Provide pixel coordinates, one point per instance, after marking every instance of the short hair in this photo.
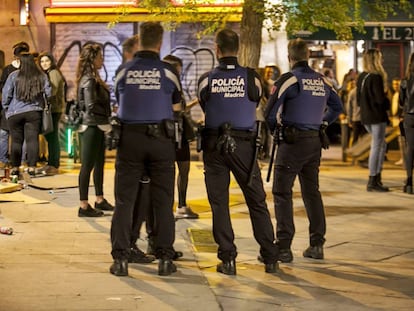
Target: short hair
(298, 50)
(227, 41)
(173, 60)
(150, 34)
(128, 44)
(20, 47)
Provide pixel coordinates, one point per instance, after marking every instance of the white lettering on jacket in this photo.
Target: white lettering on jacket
(229, 87)
(145, 79)
(316, 86)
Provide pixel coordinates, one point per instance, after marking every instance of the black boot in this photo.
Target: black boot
(379, 182)
(166, 267)
(227, 267)
(119, 267)
(408, 187)
(374, 186)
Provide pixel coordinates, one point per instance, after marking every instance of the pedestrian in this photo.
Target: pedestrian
(18, 48)
(406, 102)
(58, 104)
(23, 101)
(182, 151)
(94, 101)
(141, 209)
(302, 104)
(354, 113)
(149, 90)
(229, 95)
(372, 98)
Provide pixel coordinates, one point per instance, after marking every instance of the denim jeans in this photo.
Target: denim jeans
(378, 147)
(4, 146)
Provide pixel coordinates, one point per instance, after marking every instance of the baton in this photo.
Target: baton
(272, 157)
(256, 152)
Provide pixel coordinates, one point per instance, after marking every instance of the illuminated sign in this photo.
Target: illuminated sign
(211, 2)
(112, 3)
(90, 3)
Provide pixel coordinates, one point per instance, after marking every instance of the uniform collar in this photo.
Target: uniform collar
(147, 54)
(302, 63)
(229, 62)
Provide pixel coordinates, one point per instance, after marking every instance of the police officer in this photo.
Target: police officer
(302, 103)
(149, 90)
(229, 95)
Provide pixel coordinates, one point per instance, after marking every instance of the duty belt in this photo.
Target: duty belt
(307, 133)
(245, 134)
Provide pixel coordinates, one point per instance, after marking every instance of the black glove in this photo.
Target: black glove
(112, 137)
(323, 136)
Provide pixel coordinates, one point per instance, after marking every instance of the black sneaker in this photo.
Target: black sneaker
(138, 256)
(104, 206)
(89, 212)
(285, 255)
(315, 252)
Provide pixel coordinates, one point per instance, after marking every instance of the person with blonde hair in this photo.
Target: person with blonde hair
(406, 102)
(372, 98)
(94, 101)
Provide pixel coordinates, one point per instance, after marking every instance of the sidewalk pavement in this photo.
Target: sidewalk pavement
(58, 261)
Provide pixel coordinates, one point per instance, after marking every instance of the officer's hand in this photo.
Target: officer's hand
(112, 137)
(323, 136)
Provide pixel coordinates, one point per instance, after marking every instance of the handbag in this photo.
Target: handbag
(47, 121)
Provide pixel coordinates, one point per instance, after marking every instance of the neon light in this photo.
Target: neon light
(208, 3)
(69, 144)
(91, 3)
(113, 3)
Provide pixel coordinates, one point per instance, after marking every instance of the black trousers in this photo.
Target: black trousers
(25, 127)
(53, 144)
(217, 169)
(409, 138)
(93, 158)
(302, 159)
(139, 155)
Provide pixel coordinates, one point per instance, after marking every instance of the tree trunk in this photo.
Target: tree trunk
(251, 33)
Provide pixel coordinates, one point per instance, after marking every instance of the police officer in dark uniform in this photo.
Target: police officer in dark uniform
(302, 103)
(229, 95)
(149, 91)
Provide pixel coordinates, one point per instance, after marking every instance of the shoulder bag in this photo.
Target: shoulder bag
(47, 121)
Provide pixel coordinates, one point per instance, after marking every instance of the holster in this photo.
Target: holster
(225, 143)
(289, 134)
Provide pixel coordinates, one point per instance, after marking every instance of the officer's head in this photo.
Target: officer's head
(298, 51)
(227, 42)
(129, 47)
(150, 36)
(175, 61)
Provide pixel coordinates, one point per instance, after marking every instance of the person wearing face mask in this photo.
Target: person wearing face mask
(18, 48)
(57, 101)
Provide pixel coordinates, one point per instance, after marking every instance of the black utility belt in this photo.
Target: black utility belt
(165, 128)
(290, 134)
(245, 134)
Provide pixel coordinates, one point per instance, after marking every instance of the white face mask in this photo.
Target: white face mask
(45, 63)
(16, 63)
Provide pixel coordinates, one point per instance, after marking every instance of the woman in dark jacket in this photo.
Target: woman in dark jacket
(406, 102)
(58, 102)
(22, 100)
(94, 100)
(374, 103)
